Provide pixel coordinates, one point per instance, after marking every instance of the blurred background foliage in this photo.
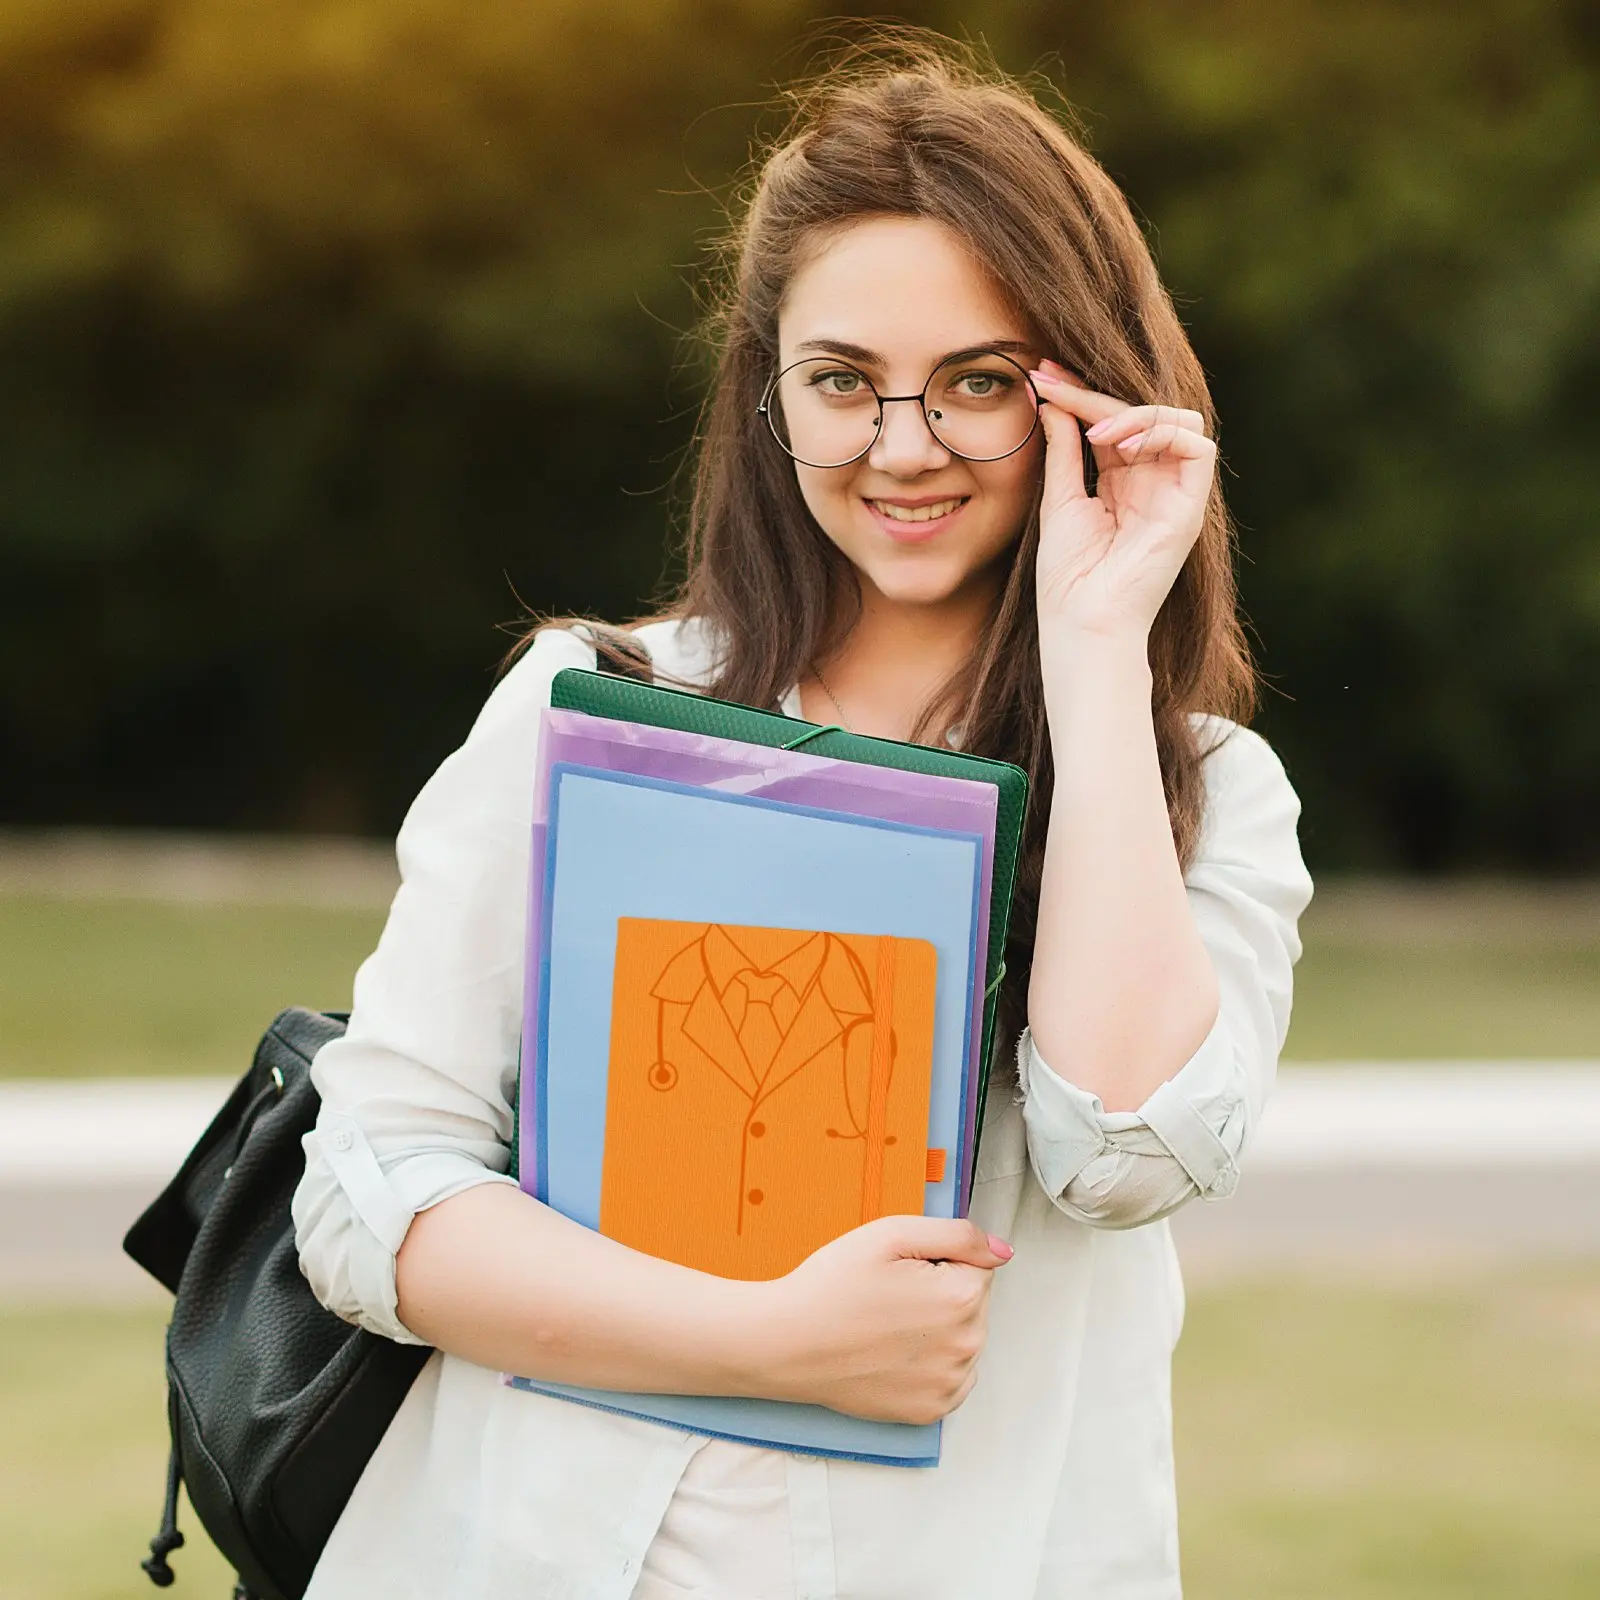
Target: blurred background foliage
(333, 331)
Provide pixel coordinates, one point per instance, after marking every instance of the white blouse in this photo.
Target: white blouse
(1056, 1477)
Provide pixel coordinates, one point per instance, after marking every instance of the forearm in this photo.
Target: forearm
(497, 1278)
(1122, 992)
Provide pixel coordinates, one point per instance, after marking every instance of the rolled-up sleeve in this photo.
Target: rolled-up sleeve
(1247, 887)
(417, 1094)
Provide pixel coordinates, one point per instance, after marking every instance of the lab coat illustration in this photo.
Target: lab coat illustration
(768, 1090)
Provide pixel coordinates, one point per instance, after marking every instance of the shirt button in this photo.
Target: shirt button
(342, 1140)
(756, 1197)
(757, 1129)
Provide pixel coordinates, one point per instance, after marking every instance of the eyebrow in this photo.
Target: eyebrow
(871, 358)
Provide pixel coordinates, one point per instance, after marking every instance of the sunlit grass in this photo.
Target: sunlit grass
(108, 987)
(1339, 1441)
(1336, 1441)
(96, 988)
(83, 1459)
(1392, 1002)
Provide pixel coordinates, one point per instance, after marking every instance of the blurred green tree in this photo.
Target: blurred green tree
(326, 325)
(1384, 219)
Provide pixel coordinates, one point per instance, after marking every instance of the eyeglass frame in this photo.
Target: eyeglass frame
(764, 409)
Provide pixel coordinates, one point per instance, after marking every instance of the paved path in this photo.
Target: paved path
(1380, 1163)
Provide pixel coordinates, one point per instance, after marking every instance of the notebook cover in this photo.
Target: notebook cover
(626, 699)
(767, 1090)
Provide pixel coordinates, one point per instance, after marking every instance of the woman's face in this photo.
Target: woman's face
(894, 296)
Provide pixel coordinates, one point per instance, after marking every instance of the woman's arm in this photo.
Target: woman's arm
(1246, 888)
(886, 1322)
(496, 1277)
(1122, 988)
(1157, 1005)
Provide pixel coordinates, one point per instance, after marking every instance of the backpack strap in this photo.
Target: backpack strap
(618, 652)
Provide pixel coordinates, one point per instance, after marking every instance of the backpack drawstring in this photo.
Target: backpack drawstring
(168, 1539)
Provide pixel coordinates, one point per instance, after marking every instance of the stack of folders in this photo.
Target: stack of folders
(763, 960)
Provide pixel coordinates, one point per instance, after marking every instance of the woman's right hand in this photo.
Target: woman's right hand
(887, 1321)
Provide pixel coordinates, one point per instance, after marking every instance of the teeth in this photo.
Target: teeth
(917, 513)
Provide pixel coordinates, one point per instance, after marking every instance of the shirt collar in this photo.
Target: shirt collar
(725, 961)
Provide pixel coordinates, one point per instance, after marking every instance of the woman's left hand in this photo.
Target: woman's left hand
(1106, 561)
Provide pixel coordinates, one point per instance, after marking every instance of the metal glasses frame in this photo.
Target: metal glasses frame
(928, 417)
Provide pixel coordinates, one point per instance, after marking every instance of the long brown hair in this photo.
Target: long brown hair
(909, 124)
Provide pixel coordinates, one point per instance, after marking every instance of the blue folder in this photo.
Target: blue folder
(623, 846)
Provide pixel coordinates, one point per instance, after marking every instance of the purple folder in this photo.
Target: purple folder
(732, 766)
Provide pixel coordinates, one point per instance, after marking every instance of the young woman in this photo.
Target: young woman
(938, 309)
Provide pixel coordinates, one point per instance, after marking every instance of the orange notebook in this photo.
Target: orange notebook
(767, 1090)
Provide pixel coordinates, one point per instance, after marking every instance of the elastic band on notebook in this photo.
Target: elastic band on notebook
(999, 978)
(812, 733)
(879, 1067)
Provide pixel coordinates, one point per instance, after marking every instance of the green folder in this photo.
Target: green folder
(601, 694)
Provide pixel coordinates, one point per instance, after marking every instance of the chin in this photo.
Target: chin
(906, 584)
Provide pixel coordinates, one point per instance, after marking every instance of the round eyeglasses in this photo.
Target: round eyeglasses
(979, 405)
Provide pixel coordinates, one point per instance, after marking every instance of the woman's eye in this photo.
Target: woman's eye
(838, 382)
(982, 385)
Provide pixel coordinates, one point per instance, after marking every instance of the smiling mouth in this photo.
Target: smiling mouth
(928, 513)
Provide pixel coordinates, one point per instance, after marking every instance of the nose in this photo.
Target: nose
(905, 445)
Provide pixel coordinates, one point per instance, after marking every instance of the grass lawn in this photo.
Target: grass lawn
(99, 988)
(83, 1460)
(1372, 1443)
(114, 987)
(1341, 1442)
(1357, 1001)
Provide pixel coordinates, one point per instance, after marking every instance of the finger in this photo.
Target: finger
(1140, 419)
(1107, 417)
(1082, 403)
(1063, 456)
(1168, 440)
(942, 1239)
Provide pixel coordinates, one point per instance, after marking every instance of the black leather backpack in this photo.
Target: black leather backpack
(274, 1403)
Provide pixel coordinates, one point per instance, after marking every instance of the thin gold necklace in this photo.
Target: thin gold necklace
(952, 735)
(844, 721)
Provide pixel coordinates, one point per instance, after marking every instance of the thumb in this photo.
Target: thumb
(1063, 456)
(943, 1239)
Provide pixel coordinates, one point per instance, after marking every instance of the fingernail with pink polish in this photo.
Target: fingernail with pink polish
(1001, 1248)
(1100, 429)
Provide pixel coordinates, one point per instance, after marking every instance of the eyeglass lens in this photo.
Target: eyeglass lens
(825, 413)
